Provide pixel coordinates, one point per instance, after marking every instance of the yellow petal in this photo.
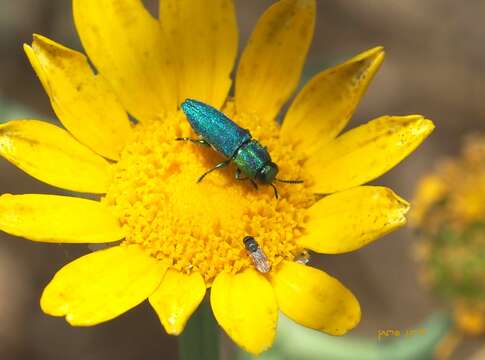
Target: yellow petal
(102, 285)
(203, 41)
(324, 106)
(271, 65)
(366, 152)
(51, 155)
(245, 306)
(314, 299)
(84, 103)
(60, 219)
(177, 298)
(127, 46)
(350, 219)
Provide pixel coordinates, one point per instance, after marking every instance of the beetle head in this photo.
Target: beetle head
(267, 173)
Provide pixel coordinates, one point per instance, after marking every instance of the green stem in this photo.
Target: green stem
(200, 338)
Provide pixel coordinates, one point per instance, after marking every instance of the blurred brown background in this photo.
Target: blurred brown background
(435, 66)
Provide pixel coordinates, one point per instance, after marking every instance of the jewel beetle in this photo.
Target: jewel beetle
(235, 143)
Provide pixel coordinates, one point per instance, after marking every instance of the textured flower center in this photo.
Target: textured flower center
(200, 226)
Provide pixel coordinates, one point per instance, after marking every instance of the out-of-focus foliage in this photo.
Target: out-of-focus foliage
(449, 214)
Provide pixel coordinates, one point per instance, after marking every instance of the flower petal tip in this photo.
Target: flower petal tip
(353, 321)
(258, 351)
(173, 325)
(420, 125)
(374, 52)
(402, 204)
(173, 331)
(48, 307)
(371, 60)
(38, 37)
(72, 320)
(427, 125)
(372, 57)
(5, 195)
(42, 41)
(398, 208)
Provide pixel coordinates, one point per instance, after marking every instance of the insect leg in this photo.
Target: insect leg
(195, 141)
(218, 166)
(237, 176)
(275, 190)
(254, 184)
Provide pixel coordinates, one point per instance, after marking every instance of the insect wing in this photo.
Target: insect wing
(215, 127)
(303, 257)
(260, 261)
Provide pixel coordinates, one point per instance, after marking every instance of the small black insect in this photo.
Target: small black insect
(257, 255)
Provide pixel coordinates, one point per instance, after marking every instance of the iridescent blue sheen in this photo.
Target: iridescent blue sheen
(215, 127)
(224, 135)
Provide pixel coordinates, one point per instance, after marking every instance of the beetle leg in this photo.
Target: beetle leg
(254, 184)
(218, 166)
(195, 141)
(237, 176)
(275, 190)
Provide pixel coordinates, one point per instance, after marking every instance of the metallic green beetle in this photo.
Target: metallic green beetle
(225, 136)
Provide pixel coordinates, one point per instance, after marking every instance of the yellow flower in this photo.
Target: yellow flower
(454, 194)
(449, 211)
(180, 237)
(470, 318)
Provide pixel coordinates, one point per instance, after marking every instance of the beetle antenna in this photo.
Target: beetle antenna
(290, 181)
(275, 190)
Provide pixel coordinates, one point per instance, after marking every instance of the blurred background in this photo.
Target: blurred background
(435, 66)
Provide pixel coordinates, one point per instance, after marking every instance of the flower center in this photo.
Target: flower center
(200, 226)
